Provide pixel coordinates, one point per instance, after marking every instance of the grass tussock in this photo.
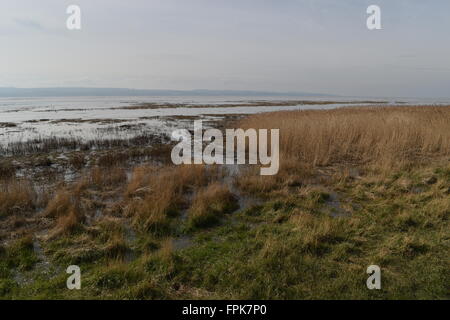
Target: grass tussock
(60, 204)
(77, 160)
(7, 170)
(113, 158)
(65, 208)
(116, 247)
(70, 222)
(314, 232)
(16, 196)
(18, 256)
(210, 204)
(71, 205)
(292, 173)
(110, 177)
(186, 176)
(157, 194)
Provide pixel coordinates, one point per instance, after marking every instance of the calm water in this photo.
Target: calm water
(36, 117)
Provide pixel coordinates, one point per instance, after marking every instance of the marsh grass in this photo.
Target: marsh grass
(7, 170)
(157, 195)
(69, 222)
(111, 177)
(20, 254)
(16, 196)
(72, 204)
(384, 137)
(210, 204)
(60, 204)
(387, 167)
(60, 144)
(77, 160)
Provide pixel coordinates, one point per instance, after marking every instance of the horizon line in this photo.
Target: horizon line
(12, 91)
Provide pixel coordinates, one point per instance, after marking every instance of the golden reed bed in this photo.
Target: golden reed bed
(384, 137)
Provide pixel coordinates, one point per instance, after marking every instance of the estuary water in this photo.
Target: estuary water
(24, 119)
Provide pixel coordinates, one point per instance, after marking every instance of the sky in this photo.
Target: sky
(320, 46)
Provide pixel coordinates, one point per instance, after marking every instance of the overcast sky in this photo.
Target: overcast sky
(277, 45)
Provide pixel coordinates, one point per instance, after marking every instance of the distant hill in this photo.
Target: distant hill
(101, 92)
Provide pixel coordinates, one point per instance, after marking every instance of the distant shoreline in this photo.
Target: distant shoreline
(6, 92)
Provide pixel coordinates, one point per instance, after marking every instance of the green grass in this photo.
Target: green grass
(287, 248)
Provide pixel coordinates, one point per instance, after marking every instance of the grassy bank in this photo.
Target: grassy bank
(356, 187)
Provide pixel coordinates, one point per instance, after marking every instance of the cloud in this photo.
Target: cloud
(303, 45)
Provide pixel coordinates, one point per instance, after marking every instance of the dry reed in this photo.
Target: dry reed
(384, 137)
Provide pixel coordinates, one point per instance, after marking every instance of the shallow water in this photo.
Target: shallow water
(40, 118)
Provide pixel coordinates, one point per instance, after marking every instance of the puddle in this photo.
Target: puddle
(130, 239)
(244, 201)
(335, 206)
(70, 176)
(182, 242)
(43, 265)
(130, 234)
(92, 218)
